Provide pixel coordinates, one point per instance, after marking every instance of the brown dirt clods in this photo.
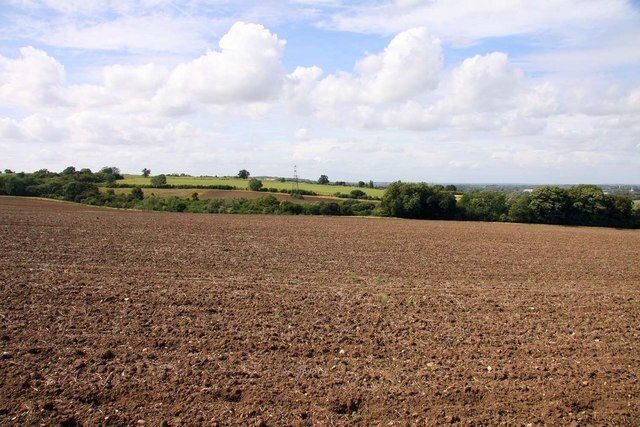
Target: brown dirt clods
(114, 317)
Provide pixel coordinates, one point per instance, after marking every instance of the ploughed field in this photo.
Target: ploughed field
(114, 317)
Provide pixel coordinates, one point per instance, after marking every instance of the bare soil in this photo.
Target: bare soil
(112, 317)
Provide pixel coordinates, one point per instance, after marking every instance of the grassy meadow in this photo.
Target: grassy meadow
(243, 184)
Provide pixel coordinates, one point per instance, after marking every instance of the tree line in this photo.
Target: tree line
(82, 186)
(578, 205)
(70, 184)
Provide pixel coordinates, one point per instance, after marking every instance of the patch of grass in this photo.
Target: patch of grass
(327, 190)
(186, 180)
(410, 301)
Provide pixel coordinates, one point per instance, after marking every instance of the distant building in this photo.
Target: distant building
(528, 190)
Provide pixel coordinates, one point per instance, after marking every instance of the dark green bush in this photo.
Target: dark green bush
(77, 191)
(419, 201)
(484, 206)
(136, 193)
(255, 184)
(159, 181)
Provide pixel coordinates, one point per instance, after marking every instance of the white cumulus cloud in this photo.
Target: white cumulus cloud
(247, 68)
(408, 67)
(135, 80)
(34, 79)
(485, 82)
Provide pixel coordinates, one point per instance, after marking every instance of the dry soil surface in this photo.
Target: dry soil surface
(112, 317)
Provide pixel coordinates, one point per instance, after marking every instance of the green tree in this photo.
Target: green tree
(15, 186)
(549, 205)
(324, 179)
(76, 191)
(136, 193)
(109, 174)
(146, 172)
(371, 184)
(619, 209)
(174, 204)
(518, 207)
(484, 206)
(159, 180)
(243, 174)
(588, 204)
(361, 184)
(357, 194)
(42, 173)
(69, 170)
(255, 184)
(110, 170)
(410, 200)
(331, 208)
(635, 216)
(266, 204)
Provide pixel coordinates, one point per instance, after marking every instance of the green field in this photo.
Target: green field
(243, 183)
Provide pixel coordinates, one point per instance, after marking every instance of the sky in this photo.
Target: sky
(460, 91)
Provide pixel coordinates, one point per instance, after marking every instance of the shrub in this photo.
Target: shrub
(75, 191)
(358, 194)
(287, 207)
(255, 184)
(136, 193)
(159, 180)
(174, 204)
